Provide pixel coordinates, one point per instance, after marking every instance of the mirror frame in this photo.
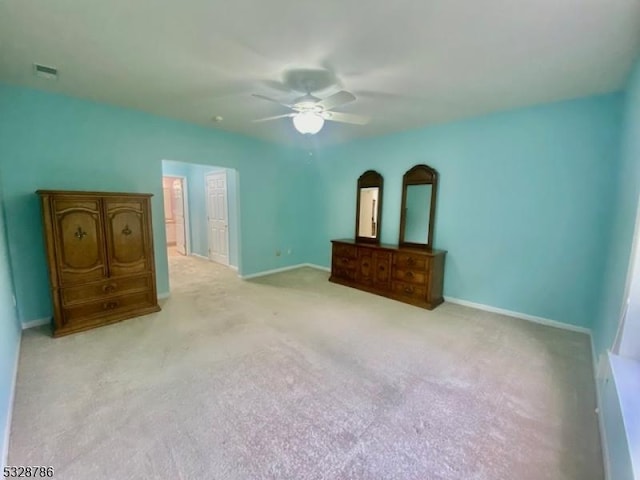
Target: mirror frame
(419, 175)
(368, 179)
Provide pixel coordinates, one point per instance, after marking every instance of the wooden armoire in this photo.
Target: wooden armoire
(101, 262)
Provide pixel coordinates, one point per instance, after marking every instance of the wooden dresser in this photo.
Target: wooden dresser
(408, 275)
(100, 252)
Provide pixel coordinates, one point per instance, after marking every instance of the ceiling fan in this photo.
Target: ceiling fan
(309, 112)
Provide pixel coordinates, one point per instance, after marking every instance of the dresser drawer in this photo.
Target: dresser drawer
(409, 290)
(343, 273)
(345, 262)
(412, 276)
(381, 256)
(341, 250)
(96, 291)
(78, 314)
(411, 261)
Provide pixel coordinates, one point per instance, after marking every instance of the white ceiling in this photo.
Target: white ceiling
(409, 62)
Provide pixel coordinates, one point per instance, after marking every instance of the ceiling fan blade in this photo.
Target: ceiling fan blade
(346, 118)
(275, 85)
(269, 99)
(336, 100)
(266, 119)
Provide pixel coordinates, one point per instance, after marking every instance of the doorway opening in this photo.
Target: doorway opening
(201, 214)
(175, 214)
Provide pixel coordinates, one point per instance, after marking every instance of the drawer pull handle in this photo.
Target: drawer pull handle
(80, 234)
(345, 260)
(381, 268)
(109, 288)
(408, 289)
(409, 274)
(365, 264)
(410, 261)
(109, 305)
(126, 230)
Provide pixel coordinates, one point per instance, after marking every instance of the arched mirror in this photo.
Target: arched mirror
(369, 207)
(419, 190)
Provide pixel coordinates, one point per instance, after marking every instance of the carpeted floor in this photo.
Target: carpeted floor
(291, 377)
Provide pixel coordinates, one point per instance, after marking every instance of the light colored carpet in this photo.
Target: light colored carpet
(291, 377)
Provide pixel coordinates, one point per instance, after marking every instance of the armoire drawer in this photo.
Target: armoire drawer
(412, 276)
(410, 290)
(405, 260)
(96, 291)
(87, 311)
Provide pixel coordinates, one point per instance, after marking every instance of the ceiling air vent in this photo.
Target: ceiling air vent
(42, 71)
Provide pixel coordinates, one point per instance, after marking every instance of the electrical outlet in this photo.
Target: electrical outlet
(278, 253)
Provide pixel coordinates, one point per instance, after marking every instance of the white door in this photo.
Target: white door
(170, 226)
(217, 217)
(178, 215)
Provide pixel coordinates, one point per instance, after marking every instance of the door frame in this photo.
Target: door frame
(186, 209)
(206, 196)
(629, 328)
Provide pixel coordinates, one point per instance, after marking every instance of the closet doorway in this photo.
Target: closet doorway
(176, 214)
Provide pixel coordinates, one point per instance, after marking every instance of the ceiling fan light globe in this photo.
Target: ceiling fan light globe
(308, 122)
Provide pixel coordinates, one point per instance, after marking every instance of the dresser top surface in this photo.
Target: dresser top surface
(386, 246)
(101, 194)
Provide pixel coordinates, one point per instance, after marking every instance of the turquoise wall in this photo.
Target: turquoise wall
(523, 203)
(57, 142)
(9, 332)
(195, 175)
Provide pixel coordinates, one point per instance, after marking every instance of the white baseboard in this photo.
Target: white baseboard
(284, 269)
(271, 272)
(12, 396)
(197, 255)
(522, 316)
(36, 323)
(317, 267)
(164, 295)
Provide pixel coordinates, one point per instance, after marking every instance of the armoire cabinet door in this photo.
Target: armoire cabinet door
(127, 236)
(80, 249)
